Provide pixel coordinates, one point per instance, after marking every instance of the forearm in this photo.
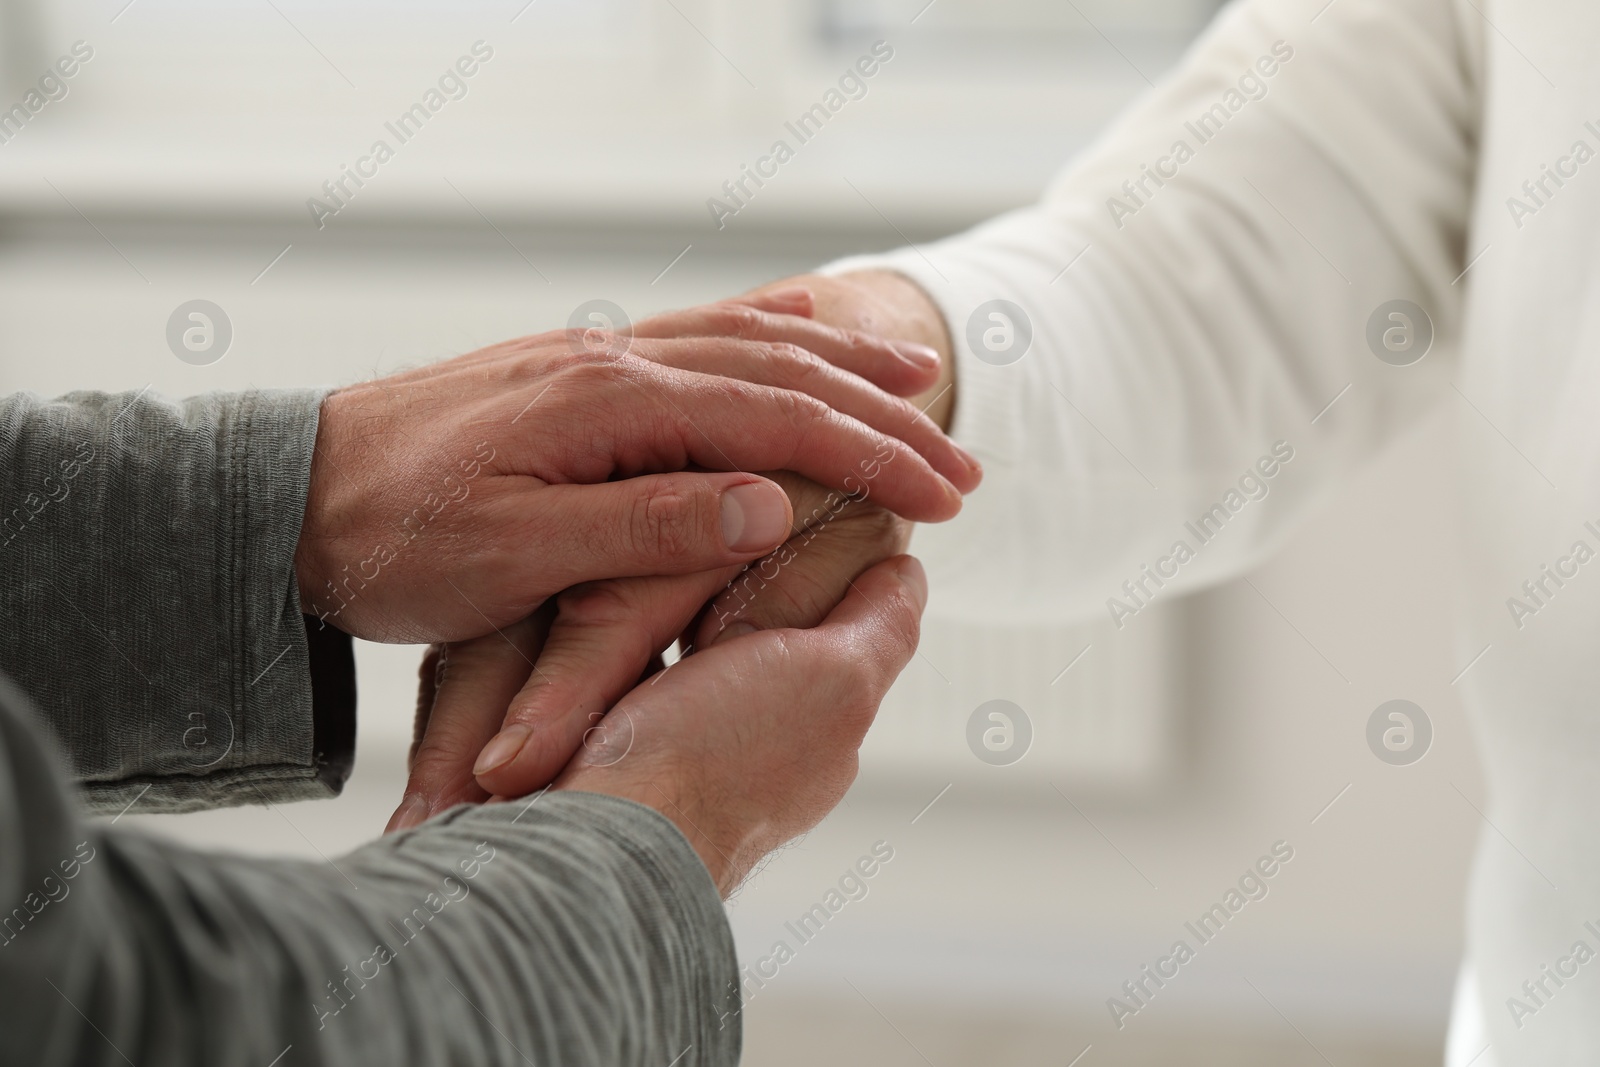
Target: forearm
(134, 526)
(580, 930)
(1182, 328)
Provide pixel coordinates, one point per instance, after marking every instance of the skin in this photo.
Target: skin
(538, 464)
(599, 640)
(743, 746)
(886, 305)
(551, 689)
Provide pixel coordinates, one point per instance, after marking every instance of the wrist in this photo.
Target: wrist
(726, 856)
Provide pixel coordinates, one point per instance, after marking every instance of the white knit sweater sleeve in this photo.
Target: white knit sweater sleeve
(1199, 286)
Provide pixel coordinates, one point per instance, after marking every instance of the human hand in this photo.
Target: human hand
(505, 456)
(604, 635)
(750, 743)
(607, 632)
(886, 305)
(455, 683)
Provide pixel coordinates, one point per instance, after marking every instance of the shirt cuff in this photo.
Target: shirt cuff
(170, 655)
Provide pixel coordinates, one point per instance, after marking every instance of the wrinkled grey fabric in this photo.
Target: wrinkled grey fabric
(147, 591)
(148, 608)
(579, 930)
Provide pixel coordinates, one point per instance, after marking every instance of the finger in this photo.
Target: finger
(788, 300)
(677, 523)
(723, 423)
(799, 584)
(903, 368)
(847, 662)
(427, 686)
(788, 366)
(602, 642)
(604, 638)
(875, 628)
(475, 680)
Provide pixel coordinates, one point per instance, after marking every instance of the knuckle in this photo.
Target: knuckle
(903, 626)
(804, 412)
(861, 343)
(579, 380)
(737, 320)
(590, 365)
(801, 367)
(528, 366)
(538, 709)
(788, 351)
(666, 522)
(433, 766)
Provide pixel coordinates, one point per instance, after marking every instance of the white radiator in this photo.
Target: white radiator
(1100, 703)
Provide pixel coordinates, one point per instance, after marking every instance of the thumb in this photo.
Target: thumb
(877, 625)
(655, 524)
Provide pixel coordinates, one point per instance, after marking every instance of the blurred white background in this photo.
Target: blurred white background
(577, 165)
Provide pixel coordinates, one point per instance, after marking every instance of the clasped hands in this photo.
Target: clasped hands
(553, 512)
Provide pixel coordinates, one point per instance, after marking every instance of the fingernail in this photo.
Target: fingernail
(921, 355)
(755, 516)
(501, 749)
(969, 459)
(790, 294)
(916, 579)
(412, 810)
(734, 629)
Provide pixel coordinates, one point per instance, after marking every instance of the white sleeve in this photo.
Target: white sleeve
(1199, 286)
